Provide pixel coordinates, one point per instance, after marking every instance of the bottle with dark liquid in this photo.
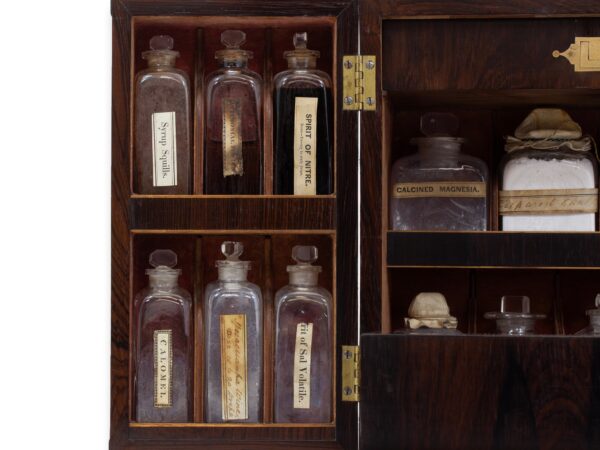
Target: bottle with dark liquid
(162, 123)
(232, 144)
(303, 361)
(303, 114)
(163, 345)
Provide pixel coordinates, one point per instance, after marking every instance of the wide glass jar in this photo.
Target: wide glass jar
(439, 187)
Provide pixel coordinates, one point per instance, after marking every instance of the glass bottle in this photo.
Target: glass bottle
(303, 348)
(593, 329)
(303, 116)
(439, 187)
(233, 158)
(514, 318)
(163, 345)
(233, 356)
(162, 123)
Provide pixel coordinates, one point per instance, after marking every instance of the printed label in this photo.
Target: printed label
(163, 368)
(302, 355)
(233, 161)
(305, 146)
(164, 149)
(475, 189)
(548, 201)
(234, 376)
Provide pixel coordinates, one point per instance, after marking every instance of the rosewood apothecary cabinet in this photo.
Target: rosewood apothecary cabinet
(390, 61)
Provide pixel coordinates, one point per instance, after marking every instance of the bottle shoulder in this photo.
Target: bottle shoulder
(293, 78)
(223, 76)
(427, 163)
(171, 75)
(150, 295)
(219, 287)
(291, 293)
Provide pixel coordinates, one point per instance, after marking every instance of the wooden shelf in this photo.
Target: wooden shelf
(493, 249)
(232, 213)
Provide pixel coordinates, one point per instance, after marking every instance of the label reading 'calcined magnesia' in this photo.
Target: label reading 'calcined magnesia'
(305, 146)
(164, 149)
(234, 367)
(233, 161)
(473, 189)
(163, 368)
(302, 357)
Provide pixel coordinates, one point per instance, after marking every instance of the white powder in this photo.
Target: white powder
(529, 173)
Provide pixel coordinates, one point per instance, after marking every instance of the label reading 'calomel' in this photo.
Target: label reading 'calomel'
(305, 146)
(163, 368)
(302, 359)
(164, 149)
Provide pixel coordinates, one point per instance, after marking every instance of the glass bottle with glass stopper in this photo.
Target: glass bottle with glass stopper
(163, 345)
(303, 114)
(303, 344)
(232, 145)
(593, 329)
(233, 342)
(162, 123)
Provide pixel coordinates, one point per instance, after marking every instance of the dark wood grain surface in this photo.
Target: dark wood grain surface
(479, 392)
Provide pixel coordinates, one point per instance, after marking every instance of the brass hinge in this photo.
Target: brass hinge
(584, 54)
(359, 82)
(350, 373)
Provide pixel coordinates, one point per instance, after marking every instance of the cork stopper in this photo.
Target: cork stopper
(233, 55)
(301, 57)
(161, 52)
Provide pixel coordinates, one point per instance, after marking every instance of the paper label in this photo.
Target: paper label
(163, 368)
(473, 189)
(234, 368)
(164, 149)
(548, 201)
(302, 356)
(305, 146)
(233, 161)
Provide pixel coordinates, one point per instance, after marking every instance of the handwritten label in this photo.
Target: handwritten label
(234, 368)
(305, 146)
(302, 356)
(548, 201)
(163, 368)
(233, 161)
(474, 189)
(164, 149)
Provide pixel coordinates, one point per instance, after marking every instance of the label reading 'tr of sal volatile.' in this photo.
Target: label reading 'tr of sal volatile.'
(305, 146)
(302, 362)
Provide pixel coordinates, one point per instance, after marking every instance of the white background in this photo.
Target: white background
(55, 224)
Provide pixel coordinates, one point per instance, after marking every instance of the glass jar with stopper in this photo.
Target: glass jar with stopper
(163, 352)
(303, 343)
(593, 329)
(233, 159)
(233, 342)
(514, 317)
(162, 123)
(303, 117)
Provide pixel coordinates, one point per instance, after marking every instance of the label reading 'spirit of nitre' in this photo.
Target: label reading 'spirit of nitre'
(305, 146)
(474, 189)
(234, 367)
(302, 359)
(548, 201)
(233, 161)
(163, 368)
(164, 149)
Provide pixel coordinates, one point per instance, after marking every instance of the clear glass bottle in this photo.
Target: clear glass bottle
(514, 317)
(162, 123)
(233, 157)
(163, 351)
(233, 356)
(303, 344)
(303, 117)
(439, 187)
(593, 329)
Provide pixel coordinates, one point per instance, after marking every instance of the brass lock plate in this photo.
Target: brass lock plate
(584, 54)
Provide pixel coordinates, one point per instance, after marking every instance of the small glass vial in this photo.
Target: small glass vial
(233, 159)
(233, 356)
(514, 318)
(439, 187)
(303, 115)
(593, 329)
(303, 346)
(163, 345)
(162, 123)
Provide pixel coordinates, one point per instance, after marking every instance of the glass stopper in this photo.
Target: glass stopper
(515, 303)
(300, 40)
(161, 42)
(439, 124)
(305, 254)
(232, 250)
(166, 258)
(233, 38)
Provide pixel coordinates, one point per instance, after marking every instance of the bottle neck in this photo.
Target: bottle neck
(439, 147)
(163, 281)
(595, 322)
(232, 274)
(234, 63)
(161, 61)
(302, 63)
(305, 279)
